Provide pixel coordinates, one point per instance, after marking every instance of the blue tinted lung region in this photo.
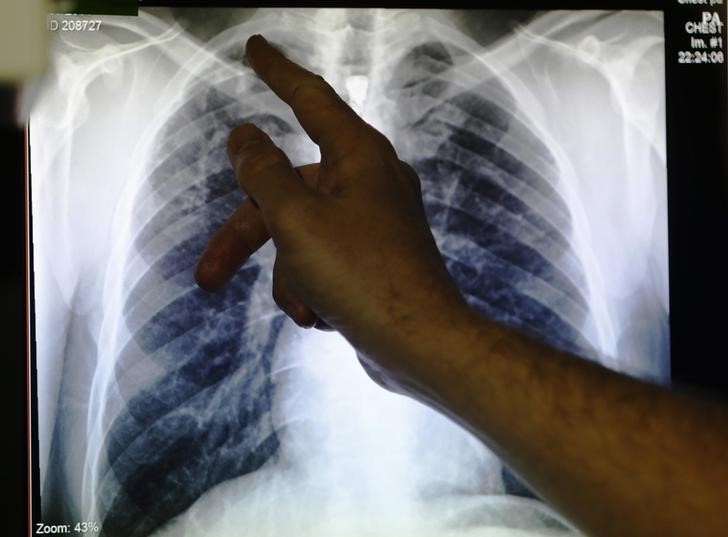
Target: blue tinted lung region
(511, 259)
(202, 414)
(491, 191)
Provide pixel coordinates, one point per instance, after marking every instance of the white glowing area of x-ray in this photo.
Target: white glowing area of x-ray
(127, 139)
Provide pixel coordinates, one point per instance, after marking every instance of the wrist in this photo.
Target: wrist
(429, 346)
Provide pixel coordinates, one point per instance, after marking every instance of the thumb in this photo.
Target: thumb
(263, 170)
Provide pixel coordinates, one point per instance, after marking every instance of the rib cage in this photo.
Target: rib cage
(491, 195)
(206, 417)
(109, 233)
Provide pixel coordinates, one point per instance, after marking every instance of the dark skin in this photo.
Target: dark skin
(355, 254)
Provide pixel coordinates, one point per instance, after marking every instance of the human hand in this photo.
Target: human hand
(354, 250)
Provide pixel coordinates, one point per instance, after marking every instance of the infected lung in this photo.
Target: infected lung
(491, 190)
(205, 417)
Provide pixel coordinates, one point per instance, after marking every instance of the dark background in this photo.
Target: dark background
(697, 113)
(698, 210)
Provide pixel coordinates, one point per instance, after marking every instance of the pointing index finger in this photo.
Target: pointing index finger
(327, 119)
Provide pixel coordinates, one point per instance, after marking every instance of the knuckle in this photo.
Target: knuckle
(311, 86)
(315, 92)
(261, 158)
(286, 217)
(409, 170)
(381, 142)
(318, 79)
(292, 221)
(411, 174)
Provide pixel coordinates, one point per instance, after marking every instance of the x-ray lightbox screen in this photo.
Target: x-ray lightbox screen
(163, 410)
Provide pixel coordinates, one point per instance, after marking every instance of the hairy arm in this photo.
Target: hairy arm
(616, 456)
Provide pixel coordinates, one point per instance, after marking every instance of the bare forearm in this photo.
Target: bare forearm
(617, 456)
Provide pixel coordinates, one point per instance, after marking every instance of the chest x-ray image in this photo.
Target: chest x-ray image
(164, 410)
